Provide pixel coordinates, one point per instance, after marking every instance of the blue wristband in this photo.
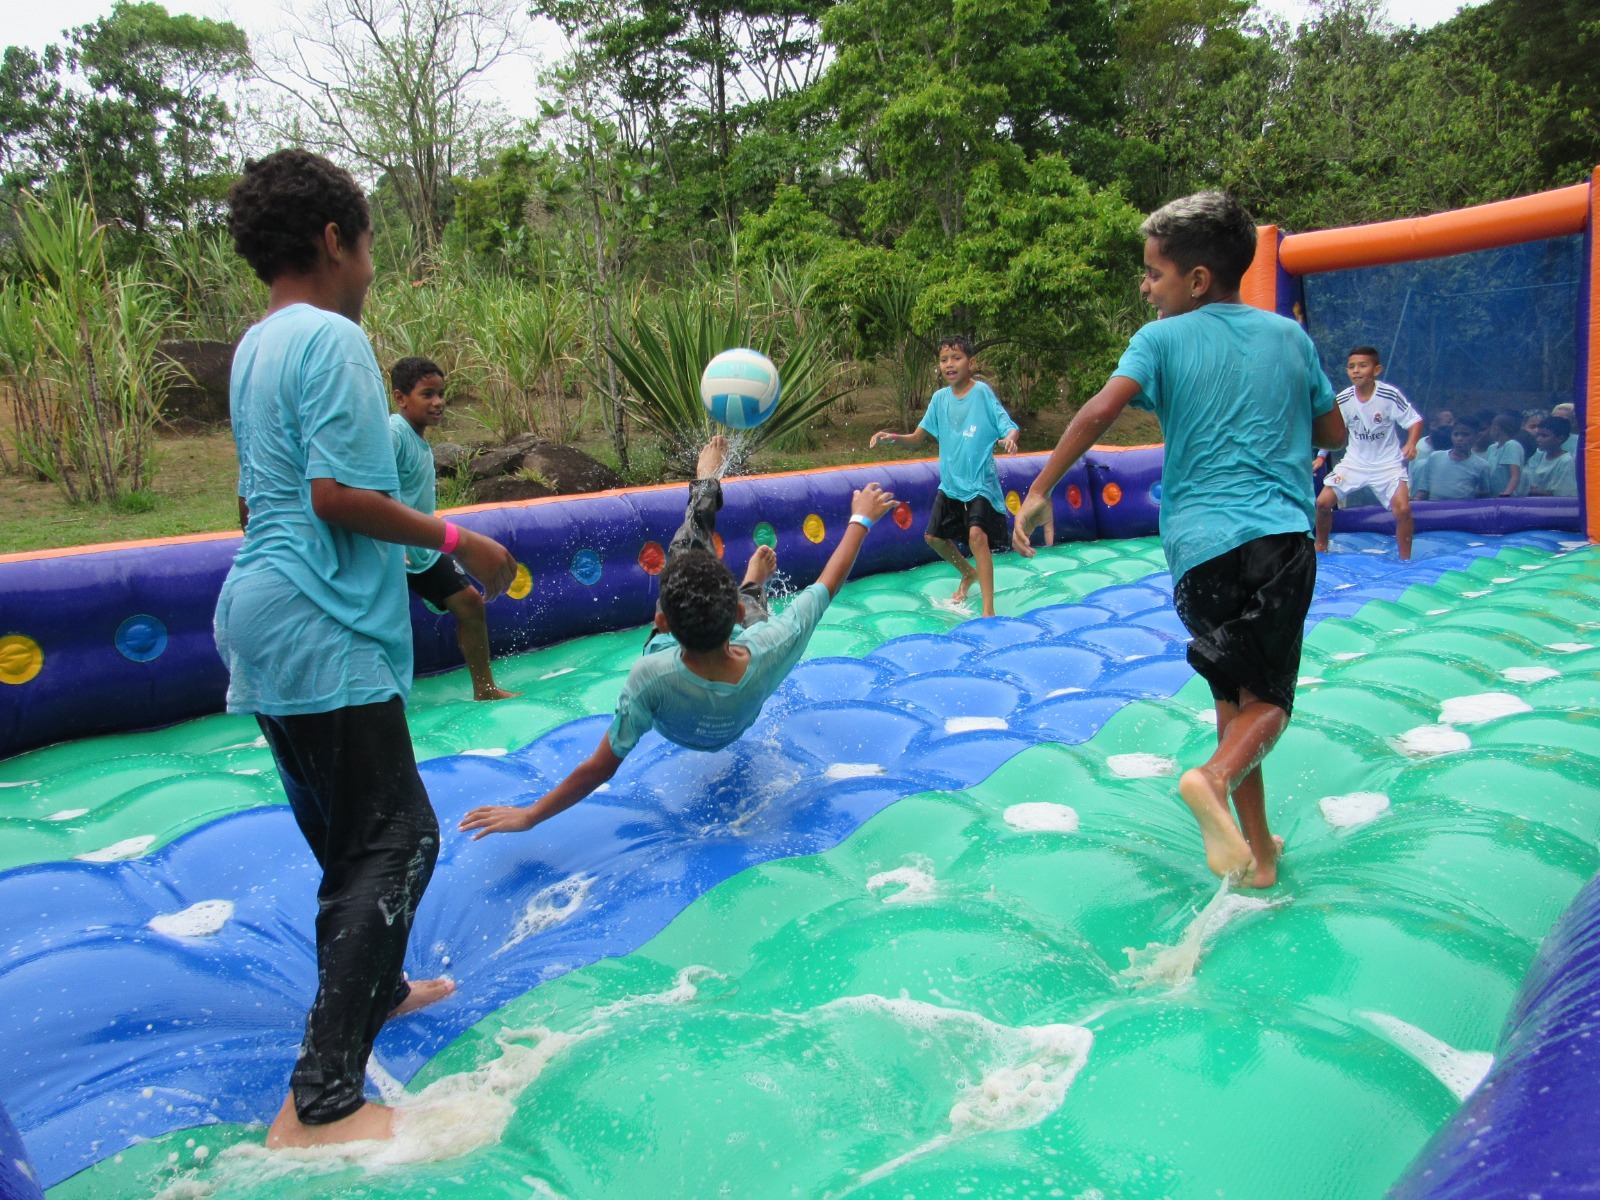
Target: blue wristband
(858, 519)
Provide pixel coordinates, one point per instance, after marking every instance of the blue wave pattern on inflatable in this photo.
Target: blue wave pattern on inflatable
(120, 1032)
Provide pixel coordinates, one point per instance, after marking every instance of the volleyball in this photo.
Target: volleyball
(740, 388)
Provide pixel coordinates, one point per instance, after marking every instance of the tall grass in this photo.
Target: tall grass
(78, 354)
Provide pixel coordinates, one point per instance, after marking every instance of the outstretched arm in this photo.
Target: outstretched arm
(598, 768)
(915, 438)
(1093, 419)
(1328, 432)
(871, 502)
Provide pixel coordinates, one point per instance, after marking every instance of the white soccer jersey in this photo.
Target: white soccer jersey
(1376, 442)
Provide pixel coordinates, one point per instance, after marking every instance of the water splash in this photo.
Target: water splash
(1459, 1070)
(1175, 965)
(1040, 816)
(549, 907)
(1353, 810)
(916, 880)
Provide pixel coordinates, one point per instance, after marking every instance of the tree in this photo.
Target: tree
(396, 86)
(131, 108)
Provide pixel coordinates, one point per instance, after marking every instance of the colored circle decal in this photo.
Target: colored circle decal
(716, 543)
(20, 659)
(141, 638)
(1074, 495)
(902, 515)
(521, 584)
(1155, 491)
(652, 558)
(765, 535)
(814, 529)
(586, 567)
(1112, 495)
(1013, 503)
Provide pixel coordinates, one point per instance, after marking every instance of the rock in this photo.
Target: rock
(198, 394)
(448, 457)
(500, 460)
(508, 487)
(569, 471)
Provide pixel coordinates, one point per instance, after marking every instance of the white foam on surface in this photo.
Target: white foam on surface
(557, 673)
(1142, 766)
(1486, 706)
(1042, 817)
(1348, 655)
(550, 906)
(969, 724)
(198, 920)
(487, 752)
(1427, 740)
(1070, 691)
(1475, 595)
(5, 783)
(67, 814)
(961, 608)
(1436, 612)
(1354, 809)
(119, 851)
(853, 770)
(1459, 1070)
(1175, 965)
(1570, 647)
(915, 880)
(1531, 567)
(1022, 1072)
(1504, 579)
(1572, 545)
(1529, 674)
(1308, 680)
(1374, 550)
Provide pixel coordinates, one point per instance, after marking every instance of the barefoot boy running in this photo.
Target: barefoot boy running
(1241, 399)
(703, 678)
(312, 620)
(966, 419)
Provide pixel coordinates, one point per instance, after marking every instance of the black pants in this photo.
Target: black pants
(699, 524)
(352, 781)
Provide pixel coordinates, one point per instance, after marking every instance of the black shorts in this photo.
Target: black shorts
(1247, 611)
(439, 582)
(953, 521)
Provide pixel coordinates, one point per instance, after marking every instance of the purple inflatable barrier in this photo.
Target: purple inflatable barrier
(1513, 515)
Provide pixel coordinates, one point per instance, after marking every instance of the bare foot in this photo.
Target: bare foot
(1264, 876)
(423, 993)
(495, 693)
(369, 1123)
(960, 594)
(762, 564)
(1227, 853)
(712, 455)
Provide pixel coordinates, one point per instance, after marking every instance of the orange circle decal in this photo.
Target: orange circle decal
(1112, 494)
(652, 558)
(1075, 495)
(902, 515)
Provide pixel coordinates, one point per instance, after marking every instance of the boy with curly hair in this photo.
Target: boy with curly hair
(312, 621)
(715, 655)
(1242, 399)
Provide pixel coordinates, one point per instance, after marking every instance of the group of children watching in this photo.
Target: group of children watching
(337, 499)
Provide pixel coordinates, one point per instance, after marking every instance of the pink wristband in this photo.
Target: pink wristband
(452, 538)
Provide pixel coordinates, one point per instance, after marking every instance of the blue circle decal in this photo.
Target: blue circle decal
(141, 638)
(586, 567)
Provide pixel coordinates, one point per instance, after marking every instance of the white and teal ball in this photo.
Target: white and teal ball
(740, 388)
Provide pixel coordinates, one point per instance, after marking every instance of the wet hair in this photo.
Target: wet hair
(958, 341)
(409, 372)
(699, 599)
(280, 204)
(1207, 229)
(1367, 352)
(1468, 421)
(1559, 426)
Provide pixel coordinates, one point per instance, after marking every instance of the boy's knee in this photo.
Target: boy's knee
(1327, 500)
(977, 539)
(931, 540)
(467, 604)
(1401, 505)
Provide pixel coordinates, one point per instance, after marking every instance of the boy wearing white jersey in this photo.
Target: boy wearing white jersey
(1374, 413)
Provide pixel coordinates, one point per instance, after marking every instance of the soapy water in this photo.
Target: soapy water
(1173, 966)
(1459, 1070)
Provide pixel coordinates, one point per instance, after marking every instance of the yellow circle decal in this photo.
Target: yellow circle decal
(814, 529)
(20, 659)
(1013, 503)
(521, 585)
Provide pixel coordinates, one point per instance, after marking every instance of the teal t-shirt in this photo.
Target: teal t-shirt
(1449, 478)
(419, 483)
(1553, 476)
(967, 427)
(663, 694)
(311, 617)
(1500, 460)
(1235, 389)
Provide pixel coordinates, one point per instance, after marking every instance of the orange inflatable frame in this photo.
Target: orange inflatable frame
(1559, 213)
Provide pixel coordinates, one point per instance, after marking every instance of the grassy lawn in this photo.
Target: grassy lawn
(197, 473)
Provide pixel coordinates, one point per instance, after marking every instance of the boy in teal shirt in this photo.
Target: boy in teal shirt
(312, 620)
(966, 419)
(716, 654)
(1242, 400)
(418, 386)
(1552, 471)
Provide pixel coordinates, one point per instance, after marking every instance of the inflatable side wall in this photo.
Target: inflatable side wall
(18, 1180)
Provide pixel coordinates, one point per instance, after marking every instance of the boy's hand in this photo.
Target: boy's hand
(883, 435)
(487, 561)
(1009, 442)
(1029, 517)
(872, 502)
(497, 818)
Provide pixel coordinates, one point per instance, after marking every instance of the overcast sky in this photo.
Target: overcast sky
(35, 27)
